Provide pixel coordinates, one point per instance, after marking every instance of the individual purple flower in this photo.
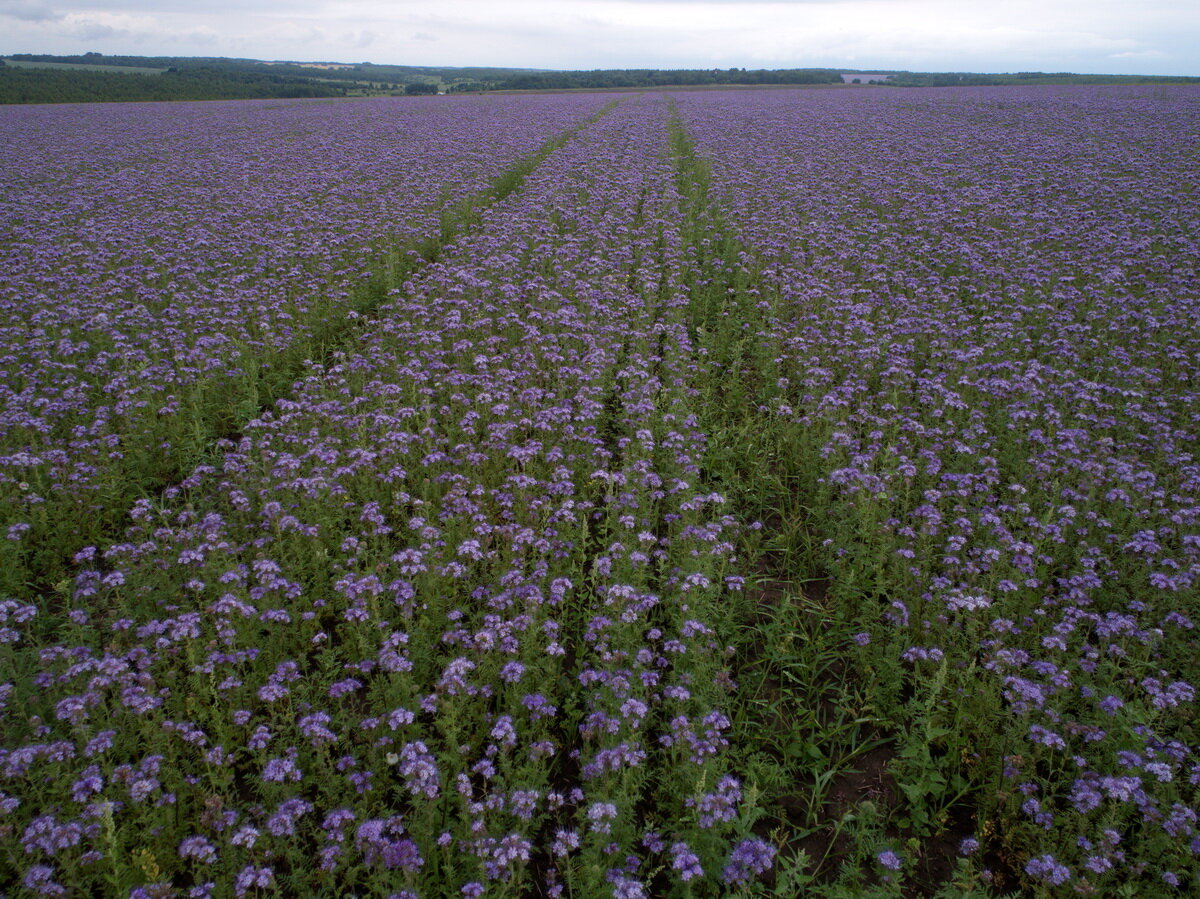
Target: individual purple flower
(601, 815)
(686, 862)
(330, 856)
(1048, 869)
(48, 835)
(260, 738)
(361, 781)
(252, 878)
(419, 769)
(625, 887)
(512, 672)
(401, 854)
(512, 848)
(889, 859)
(336, 822)
(564, 843)
(749, 857)
(89, 783)
(523, 803)
(504, 731)
(344, 687)
(721, 804)
(281, 770)
(283, 822)
(382, 842)
(40, 879)
(315, 730)
(1086, 795)
(198, 848)
(245, 836)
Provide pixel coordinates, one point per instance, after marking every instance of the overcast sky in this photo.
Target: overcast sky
(1102, 36)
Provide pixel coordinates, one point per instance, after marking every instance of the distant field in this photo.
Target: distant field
(81, 67)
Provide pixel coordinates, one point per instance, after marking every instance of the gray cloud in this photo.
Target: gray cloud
(28, 11)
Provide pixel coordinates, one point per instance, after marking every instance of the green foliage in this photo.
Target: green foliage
(60, 79)
(603, 79)
(95, 77)
(63, 85)
(959, 79)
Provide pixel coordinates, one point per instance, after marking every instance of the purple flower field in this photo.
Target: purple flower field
(161, 263)
(391, 490)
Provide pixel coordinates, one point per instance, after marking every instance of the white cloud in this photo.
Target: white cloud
(1083, 35)
(1139, 54)
(103, 25)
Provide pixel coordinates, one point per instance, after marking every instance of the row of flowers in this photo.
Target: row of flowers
(975, 316)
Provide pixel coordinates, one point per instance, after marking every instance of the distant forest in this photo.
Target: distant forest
(41, 85)
(614, 78)
(950, 79)
(94, 77)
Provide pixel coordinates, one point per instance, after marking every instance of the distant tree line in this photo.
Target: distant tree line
(29, 85)
(611, 78)
(195, 78)
(354, 75)
(952, 79)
